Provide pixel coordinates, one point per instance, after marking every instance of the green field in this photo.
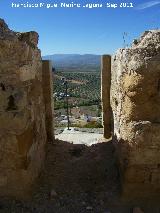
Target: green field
(83, 88)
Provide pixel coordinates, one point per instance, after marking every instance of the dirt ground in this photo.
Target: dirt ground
(77, 179)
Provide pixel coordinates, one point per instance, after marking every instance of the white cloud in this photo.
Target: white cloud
(147, 5)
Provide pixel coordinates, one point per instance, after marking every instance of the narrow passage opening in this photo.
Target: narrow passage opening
(77, 98)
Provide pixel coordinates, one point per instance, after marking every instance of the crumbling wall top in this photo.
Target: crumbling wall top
(150, 39)
(5, 32)
(140, 53)
(31, 38)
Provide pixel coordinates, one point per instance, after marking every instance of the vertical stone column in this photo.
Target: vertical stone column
(105, 94)
(48, 94)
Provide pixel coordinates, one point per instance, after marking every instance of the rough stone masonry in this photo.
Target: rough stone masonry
(22, 111)
(135, 99)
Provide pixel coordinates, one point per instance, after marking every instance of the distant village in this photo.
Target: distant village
(79, 116)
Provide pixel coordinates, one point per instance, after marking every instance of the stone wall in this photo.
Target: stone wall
(105, 95)
(135, 99)
(47, 79)
(26, 112)
(22, 111)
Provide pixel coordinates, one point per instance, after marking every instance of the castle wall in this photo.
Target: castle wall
(135, 100)
(105, 94)
(131, 85)
(47, 85)
(22, 112)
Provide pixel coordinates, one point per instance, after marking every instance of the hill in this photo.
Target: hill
(75, 62)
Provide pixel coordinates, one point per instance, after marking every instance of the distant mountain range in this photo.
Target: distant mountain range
(75, 62)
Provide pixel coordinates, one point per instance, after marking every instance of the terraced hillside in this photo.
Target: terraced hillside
(83, 88)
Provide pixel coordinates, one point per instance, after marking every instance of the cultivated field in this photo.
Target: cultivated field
(83, 88)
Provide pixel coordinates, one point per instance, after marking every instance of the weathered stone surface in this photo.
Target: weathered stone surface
(105, 93)
(22, 111)
(137, 210)
(48, 98)
(135, 97)
(31, 38)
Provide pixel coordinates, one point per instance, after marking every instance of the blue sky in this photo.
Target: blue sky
(82, 30)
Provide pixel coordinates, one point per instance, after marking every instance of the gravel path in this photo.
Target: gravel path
(80, 136)
(59, 130)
